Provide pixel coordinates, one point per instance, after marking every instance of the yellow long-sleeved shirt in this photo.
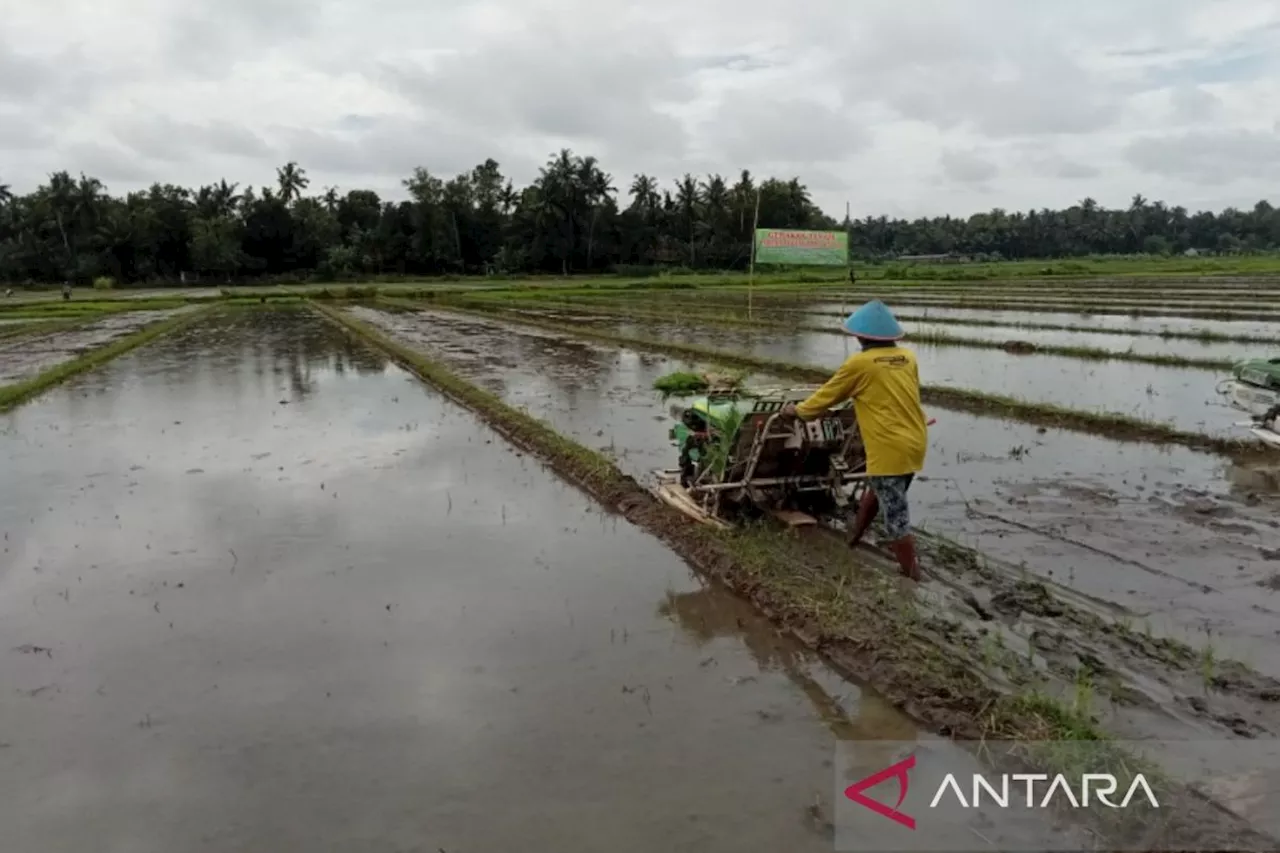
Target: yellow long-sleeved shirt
(884, 383)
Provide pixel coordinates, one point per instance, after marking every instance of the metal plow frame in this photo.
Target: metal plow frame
(1270, 437)
(701, 502)
(1249, 399)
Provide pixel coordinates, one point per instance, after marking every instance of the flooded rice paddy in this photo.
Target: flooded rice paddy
(261, 590)
(25, 356)
(806, 309)
(1118, 342)
(1182, 397)
(1165, 321)
(1188, 543)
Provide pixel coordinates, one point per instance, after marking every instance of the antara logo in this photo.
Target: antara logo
(894, 771)
(1097, 787)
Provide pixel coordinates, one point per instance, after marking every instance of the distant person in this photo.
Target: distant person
(884, 382)
(853, 276)
(66, 290)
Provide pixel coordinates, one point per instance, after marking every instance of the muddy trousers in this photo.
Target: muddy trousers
(889, 494)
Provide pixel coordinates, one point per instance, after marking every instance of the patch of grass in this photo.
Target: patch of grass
(353, 292)
(16, 330)
(32, 310)
(1112, 425)
(19, 392)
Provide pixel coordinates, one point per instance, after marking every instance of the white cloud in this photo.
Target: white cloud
(906, 107)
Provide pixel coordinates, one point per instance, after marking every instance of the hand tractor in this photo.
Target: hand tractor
(741, 458)
(1255, 389)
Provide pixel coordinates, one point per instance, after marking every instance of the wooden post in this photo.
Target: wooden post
(848, 263)
(751, 274)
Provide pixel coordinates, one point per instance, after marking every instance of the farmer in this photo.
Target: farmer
(884, 382)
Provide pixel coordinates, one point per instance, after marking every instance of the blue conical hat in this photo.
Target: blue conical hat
(874, 321)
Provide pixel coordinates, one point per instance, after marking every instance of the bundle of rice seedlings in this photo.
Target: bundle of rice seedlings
(686, 384)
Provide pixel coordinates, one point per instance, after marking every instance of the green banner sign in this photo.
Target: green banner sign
(820, 248)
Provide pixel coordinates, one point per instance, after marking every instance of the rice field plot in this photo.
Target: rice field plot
(1227, 322)
(256, 549)
(1092, 342)
(1112, 300)
(1175, 539)
(22, 357)
(900, 299)
(1186, 399)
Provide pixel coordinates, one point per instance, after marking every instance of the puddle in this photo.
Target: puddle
(367, 622)
(30, 355)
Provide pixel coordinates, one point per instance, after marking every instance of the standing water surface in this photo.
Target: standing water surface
(261, 590)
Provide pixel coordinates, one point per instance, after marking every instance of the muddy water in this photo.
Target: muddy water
(24, 358)
(1119, 322)
(1117, 342)
(1182, 397)
(260, 590)
(1262, 301)
(599, 394)
(1120, 341)
(1186, 542)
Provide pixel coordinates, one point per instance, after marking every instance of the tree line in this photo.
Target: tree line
(569, 219)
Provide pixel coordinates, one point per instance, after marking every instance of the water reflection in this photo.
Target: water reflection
(711, 613)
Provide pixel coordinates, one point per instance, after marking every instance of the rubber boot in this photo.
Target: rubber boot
(905, 550)
(867, 509)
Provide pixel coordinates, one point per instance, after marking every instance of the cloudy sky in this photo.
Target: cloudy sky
(900, 107)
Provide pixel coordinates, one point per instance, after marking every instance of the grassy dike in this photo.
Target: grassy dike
(1109, 425)
(19, 392)
(935, 338)
(860, 619)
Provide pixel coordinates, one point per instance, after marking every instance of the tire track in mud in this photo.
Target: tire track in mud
(858, 617)
(1005, 622)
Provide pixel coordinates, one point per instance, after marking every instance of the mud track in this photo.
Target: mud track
(862, 618)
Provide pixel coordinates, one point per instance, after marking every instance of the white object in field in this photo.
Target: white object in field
(1270, 436)
(667, 489)
(1268, 432)
(1249, 398)
(1258, 402)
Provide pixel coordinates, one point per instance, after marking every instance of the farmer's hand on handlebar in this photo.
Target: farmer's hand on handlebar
(788, 411)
